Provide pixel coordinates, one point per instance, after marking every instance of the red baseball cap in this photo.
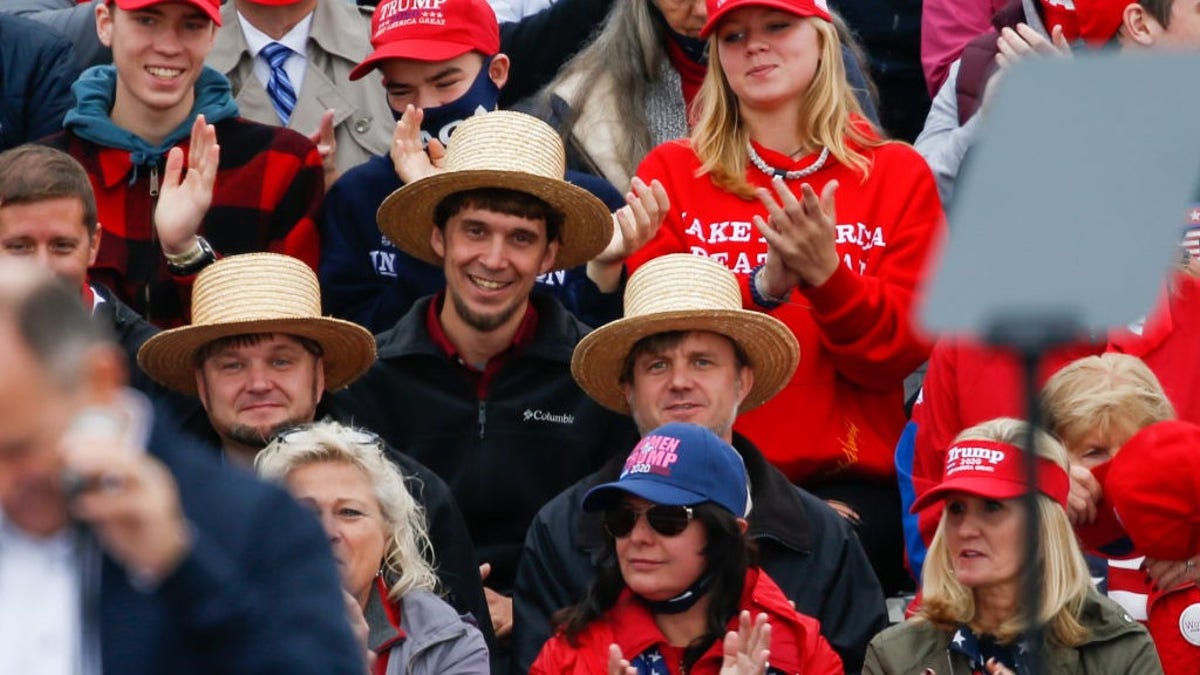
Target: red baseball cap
(719, 8)
(1106, 532)
(1154, 486)
(211, 8)
(1099, 20)
(996, 471)
(430, 30)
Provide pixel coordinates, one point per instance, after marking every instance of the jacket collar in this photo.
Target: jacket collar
(555, 339)
(338, 28)
(778, 513)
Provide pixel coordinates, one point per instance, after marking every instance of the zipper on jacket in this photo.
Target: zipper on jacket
(153, 181)
(482, 418)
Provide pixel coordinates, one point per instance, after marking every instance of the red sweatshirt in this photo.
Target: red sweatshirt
(796, 642)
(843, 410)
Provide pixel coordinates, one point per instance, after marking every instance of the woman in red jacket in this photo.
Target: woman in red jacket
(778, 133)
(675, 592)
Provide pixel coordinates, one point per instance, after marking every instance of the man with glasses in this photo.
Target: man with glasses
(260, 357)
(686, 351)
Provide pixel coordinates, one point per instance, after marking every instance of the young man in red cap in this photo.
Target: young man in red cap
(256, 191)
(442, 65)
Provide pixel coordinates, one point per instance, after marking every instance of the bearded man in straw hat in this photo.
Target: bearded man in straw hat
(686, 351)
(475, 381)
(260, 356)
(436, 71)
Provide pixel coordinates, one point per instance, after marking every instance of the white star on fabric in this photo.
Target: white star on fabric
(959, 638)
(656, 657)
(1195, 216)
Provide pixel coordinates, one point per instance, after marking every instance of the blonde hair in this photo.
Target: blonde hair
(719, 138)
(1110, 392)
(408, 556)
(1065, 582)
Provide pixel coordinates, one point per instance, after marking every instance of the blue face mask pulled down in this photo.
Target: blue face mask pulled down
(441, 121)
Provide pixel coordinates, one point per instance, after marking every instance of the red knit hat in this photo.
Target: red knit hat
(994, 470)
(1154, 486)
(1099, 20)
(430, 30)
(717, 9)
(212, 8)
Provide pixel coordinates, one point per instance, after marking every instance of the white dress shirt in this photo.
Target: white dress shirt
(40, 607)
(296, 39)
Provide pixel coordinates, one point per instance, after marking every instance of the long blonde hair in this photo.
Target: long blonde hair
(719, 138)
(1065, 578)
(408, 556)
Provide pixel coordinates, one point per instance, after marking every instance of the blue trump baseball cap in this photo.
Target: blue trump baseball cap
(679, 464)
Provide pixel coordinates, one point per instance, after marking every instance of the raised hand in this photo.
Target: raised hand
(1084, 496)
(617, 665)
(183, 200)
(801, 235)
(634, 224)
(747, 650)
(411, 159)
(326, 143)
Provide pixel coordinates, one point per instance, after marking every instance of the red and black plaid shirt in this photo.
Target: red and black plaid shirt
(269, 186)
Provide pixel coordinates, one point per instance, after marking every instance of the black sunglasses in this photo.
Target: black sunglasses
(669, 521)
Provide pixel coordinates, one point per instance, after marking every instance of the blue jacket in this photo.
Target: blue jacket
(258, 593)
(366, 279)
(37, 67)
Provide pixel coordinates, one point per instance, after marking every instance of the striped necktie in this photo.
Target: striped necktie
(279, 87)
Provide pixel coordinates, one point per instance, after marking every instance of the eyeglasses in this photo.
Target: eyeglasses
(669, 521)
(303, 435)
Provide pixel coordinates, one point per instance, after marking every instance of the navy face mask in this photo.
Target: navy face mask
(441, 121)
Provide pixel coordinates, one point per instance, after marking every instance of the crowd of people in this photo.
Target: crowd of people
(400, 338)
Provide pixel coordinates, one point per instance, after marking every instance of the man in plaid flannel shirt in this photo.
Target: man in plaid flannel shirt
(248, 186)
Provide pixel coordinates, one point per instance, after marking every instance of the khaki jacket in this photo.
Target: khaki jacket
(338, 41)
(1118, 645)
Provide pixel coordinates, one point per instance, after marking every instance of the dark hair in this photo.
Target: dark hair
(658, 343)
(500, 200)
(35, 173)
(249, 340)
(1159, 9)
(729, 554)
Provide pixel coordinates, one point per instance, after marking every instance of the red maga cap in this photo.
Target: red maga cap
(996, 471)
(717, 9)
(430, 30)
(1154, 486)
(211, 8)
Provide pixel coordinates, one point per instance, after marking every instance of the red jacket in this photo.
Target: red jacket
(796, 642)
(843, 410)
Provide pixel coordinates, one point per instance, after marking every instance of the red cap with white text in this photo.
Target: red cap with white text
(717, 9)
(211, 8)
(430, 30)
(994, 470)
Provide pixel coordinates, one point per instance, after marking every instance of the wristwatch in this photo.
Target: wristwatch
(191, 262)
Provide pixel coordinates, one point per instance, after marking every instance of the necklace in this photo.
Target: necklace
(809, 170)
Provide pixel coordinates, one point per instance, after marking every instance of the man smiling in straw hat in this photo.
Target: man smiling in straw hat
(686, 351)
(260, 356)
(482, 369)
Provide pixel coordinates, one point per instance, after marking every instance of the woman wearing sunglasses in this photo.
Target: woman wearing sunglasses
(676, 591)
(379, 540)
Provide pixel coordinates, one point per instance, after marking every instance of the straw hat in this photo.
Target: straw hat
(684, 292)
(257, 293)
(501, 149)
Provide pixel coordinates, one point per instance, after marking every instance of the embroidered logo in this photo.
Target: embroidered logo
(531, 415)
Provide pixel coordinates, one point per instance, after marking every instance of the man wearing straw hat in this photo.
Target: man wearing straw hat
(439, 66)
(475, 382)
(260, 356)
(686, 351)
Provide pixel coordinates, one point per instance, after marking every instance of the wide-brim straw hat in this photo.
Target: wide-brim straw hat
(500, 149)
(257, 293)
(684, 292)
